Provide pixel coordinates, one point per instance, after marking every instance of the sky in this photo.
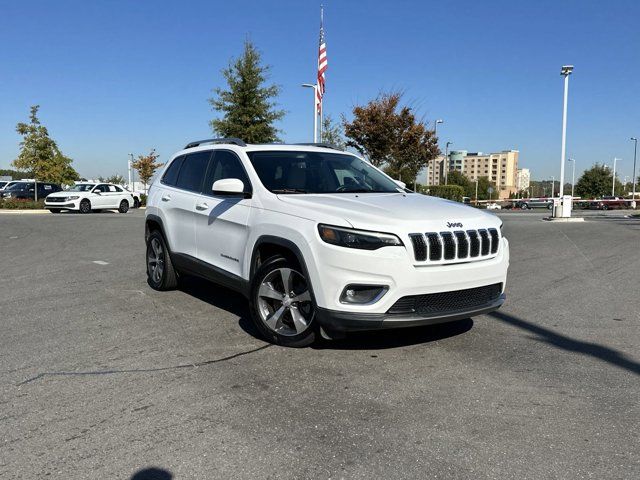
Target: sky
(114, 77)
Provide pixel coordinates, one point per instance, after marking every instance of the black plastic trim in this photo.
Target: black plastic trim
(188, 264)
(350, 321)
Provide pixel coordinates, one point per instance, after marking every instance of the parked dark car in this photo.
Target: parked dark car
(26, 190)
(608, 203)
(528, 204)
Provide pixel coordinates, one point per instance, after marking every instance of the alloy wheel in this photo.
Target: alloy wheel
(155, 260)
(284, 302)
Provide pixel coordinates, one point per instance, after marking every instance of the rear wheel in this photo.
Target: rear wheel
(124, 206)
(85, 206)
(136, 202)
(160, 272)
(282, 307)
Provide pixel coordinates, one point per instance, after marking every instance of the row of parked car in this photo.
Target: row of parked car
(84, 197)
(606, 203)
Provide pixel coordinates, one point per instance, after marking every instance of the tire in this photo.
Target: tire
(124, 206)
(85, 206)
(158, 257)
(524, 206)
(136, 203)
(605, 207)
(284, 316)
(54, 210)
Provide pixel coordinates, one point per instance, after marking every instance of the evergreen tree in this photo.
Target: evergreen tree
(247, 106)
(40, 155)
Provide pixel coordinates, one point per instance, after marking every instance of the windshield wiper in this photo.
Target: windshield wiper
(288, 190)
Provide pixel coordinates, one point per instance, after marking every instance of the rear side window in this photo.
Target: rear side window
(193, 170)
(171, 174)
(118, 189)
(225, 165)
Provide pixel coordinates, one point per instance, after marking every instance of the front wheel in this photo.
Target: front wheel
(124, 206)
(85, 206)
(54, 210)
(160, 272)
(282, 307)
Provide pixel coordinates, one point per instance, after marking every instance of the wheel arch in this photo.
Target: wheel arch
(154, 222)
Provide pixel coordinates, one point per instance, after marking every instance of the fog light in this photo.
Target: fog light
(363, 294)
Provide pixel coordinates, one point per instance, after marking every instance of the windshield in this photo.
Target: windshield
(81, 187)
(20, 186)
(318, 172)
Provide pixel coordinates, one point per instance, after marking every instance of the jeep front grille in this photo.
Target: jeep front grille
(453, 247)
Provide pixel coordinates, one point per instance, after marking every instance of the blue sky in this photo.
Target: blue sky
(114, 77)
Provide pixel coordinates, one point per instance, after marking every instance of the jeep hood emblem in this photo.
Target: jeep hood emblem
(454, 224)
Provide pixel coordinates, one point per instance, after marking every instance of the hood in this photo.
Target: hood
(380, 211)
(63, 193)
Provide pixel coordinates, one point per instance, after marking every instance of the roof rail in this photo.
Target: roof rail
(319, 144)
(232, 140)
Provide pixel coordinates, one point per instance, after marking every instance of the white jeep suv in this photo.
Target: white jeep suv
(87, 197)
(319, 240)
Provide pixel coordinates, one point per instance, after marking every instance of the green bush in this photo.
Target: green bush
(143, 200)
(21, 204)
(450, 192)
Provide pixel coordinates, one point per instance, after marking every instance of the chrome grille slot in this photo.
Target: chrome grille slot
(449, 245)
(435, 246)
(419, 246)
(495, 239)
(485, 242)
(463, 244)
(474, 240)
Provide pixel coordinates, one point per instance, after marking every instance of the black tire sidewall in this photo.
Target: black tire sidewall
(303, 339)
(85, 202)
(152, 284)
(123, 207)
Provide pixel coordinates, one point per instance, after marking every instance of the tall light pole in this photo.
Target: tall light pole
(446, 163)
(633, 178)
(553, 186)
(315, 111)
(613, 183)
(131, 185)
(573, 175)
(565, 71)
(435, 134)
(476, 191)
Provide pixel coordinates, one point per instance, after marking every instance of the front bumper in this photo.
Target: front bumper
(339, 321)
(67, 205)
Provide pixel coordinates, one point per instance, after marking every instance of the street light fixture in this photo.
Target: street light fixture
(573, 175)
(446, 161)
(435, 127)
(315, 114)
(633, 178)
(565, 71)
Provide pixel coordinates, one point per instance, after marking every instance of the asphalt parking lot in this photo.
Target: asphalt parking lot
(102, 377)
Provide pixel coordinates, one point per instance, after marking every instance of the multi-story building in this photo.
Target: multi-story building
(523, 179)
(500, 168)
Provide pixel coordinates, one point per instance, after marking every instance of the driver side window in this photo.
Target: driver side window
(225, 164)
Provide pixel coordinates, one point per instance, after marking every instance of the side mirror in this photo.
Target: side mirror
(229, 186)
(97, 192)
(401, 184)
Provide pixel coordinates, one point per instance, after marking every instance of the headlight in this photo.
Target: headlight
(362, 239)
(73, 197)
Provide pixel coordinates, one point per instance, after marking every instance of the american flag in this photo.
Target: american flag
(322, 64)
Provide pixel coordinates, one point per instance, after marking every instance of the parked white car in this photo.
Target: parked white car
(319, 240)
(88, 197)
(493, 206)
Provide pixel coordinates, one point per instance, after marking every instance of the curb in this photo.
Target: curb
(18, 211)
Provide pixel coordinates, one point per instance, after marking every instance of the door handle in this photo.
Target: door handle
(202, 206)
(166, 198)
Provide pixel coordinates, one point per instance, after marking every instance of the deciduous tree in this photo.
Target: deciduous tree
(333, 133)
(390, 136)
(40, 155)
(146, 166)
(247, 105)
(596, 182)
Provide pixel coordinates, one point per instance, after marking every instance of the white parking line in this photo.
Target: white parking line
(100, 262)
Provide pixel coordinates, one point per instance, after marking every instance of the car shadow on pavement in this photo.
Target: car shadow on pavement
(600, 352)
(152, 474)
(236, 304)
(400, 337)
